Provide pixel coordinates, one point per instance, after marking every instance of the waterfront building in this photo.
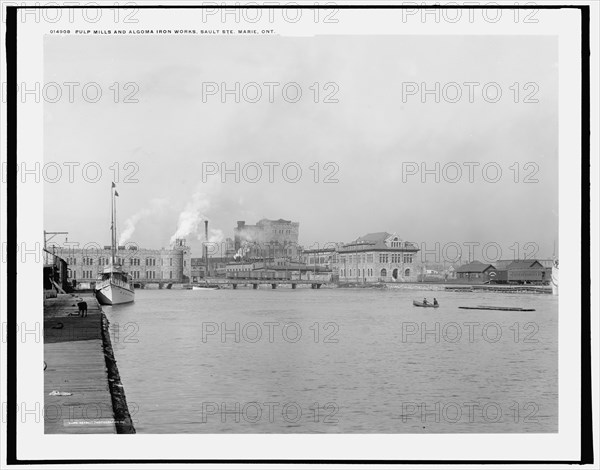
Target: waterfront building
(323, 258)
(475, 272)
(216, 267)
(524, 272)
(267, 239)
(167, 265)
(377, 257)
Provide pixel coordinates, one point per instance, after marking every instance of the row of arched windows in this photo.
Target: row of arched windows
(369, 272)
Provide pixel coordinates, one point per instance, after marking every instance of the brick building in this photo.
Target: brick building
(377, 257)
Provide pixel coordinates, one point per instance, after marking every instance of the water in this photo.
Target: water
(347, 361)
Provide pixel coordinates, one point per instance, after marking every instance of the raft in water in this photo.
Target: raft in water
(507, 309)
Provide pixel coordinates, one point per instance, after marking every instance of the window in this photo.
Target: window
(408, 257)
(170, 261)
(407, 272)
(383, 273)
(170, 274)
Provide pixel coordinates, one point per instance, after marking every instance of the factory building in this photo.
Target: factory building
(167, 265)
(268, 239)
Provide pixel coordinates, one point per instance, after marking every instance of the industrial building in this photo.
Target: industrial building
(267, 239)
(167, 265)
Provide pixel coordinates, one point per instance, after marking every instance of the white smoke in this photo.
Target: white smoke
(191, 219)
(243, 250)
(130, 224)
(216, 236)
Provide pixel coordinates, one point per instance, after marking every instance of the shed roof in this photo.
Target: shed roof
(525, 264)
(474, 267)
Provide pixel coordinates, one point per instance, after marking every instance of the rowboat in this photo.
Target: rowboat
(421, 304)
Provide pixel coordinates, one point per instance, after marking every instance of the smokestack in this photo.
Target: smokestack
(205, 245)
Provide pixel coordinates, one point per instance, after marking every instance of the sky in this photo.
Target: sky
(370, 137)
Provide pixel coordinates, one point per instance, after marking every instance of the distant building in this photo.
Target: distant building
(524, 272)
(475, 272)
(267, 239)
(501, 264)
(377, 257)
(216, 267)
(324, 258)
(164, 265)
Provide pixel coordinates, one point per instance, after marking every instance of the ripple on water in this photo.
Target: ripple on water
(371, 378)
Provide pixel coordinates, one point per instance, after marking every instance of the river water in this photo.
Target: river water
(336, 361)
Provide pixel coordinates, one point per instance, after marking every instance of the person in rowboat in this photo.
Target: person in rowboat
(435, 302)
(425, 301)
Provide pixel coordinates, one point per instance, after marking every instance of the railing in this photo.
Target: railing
(113, 281)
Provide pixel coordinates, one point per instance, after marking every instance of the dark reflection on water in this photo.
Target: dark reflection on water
(336, 361)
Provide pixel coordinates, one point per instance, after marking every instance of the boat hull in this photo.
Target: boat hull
(112, 294)
(421, 304)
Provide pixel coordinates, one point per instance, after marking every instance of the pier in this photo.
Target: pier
(500, 288)
(234, 283)
(82, 388)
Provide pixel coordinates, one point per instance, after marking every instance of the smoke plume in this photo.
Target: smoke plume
(130, 224)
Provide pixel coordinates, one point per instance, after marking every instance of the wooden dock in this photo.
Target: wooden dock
(500, 288)
(77, 381)
(274, 283)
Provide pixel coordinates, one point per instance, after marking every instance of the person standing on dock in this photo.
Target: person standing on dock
(82, 305)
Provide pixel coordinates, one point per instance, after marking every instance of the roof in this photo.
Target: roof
(375, 241)
(279, 221)
(311, 251)
(525, 264)
(474, 267)
(501, 264)
(374, 237)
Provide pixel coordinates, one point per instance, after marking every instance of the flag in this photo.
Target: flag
(114, 185)
(116, 193)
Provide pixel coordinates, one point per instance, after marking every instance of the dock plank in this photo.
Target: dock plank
(75, 364)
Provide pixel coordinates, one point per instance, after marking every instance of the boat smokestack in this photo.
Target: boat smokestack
(206, 245)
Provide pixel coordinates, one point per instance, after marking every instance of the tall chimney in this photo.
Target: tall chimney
(206, 245)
